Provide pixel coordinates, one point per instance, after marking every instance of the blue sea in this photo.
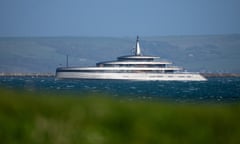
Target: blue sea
(217, 90)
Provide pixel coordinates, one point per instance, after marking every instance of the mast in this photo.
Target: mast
(137, 48)
(66, 60)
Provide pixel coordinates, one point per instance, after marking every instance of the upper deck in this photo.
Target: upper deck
(133, 64)
(137, 58)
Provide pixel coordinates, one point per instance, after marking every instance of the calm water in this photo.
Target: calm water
(214, 90)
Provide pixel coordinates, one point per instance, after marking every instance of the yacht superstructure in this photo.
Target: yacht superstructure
(130, 67)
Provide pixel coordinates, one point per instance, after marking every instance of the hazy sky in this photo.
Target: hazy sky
(118, 17)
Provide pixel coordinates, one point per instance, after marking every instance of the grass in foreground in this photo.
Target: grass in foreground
(27, 117)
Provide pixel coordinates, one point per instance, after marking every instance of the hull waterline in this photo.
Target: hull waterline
(132, 76)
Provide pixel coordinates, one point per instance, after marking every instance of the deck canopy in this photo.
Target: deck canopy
(137, 58)
(135, 62)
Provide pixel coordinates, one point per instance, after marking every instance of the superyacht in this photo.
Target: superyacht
(130, 67)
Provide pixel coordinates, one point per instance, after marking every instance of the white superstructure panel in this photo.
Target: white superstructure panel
(122, 68)
(137, 62)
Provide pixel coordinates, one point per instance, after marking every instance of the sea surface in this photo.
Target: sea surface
(219, 90)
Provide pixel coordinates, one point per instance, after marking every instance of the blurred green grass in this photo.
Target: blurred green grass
(34, 117)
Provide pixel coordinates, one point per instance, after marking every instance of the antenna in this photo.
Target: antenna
(66, 60)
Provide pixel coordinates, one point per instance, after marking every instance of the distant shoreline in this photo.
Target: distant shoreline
(27, 75)
(208, 75)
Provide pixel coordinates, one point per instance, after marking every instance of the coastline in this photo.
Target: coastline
(211, 75)
(27, 74)
(207, 75)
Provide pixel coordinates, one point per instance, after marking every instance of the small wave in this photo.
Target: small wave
(70, 86)
(132, 87)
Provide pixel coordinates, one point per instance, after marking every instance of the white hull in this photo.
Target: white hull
(132, 76)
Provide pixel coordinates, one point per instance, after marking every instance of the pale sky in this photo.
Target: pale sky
(118, 18)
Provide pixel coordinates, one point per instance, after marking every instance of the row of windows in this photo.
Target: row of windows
(135, 59)
(120, 71)
(173, 76)
(132, 65)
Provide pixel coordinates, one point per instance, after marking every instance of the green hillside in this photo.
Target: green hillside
(213, 53)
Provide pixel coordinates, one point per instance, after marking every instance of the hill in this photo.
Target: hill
(210, 53)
